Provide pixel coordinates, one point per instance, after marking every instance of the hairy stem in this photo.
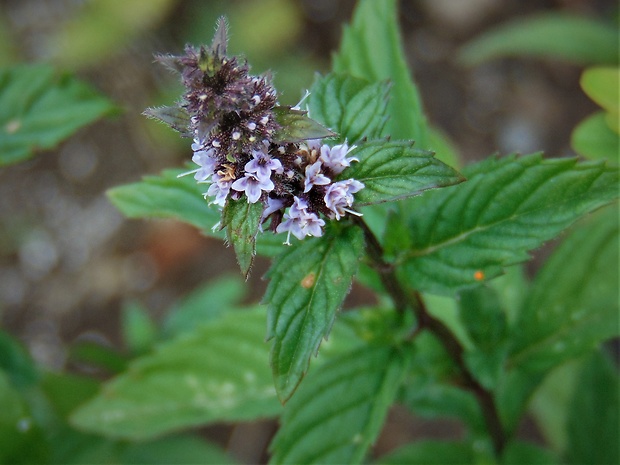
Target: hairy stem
(404, 300)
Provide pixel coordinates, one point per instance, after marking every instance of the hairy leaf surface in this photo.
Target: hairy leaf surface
(297, 126)
(392, 170)
(307, 286)
(340, 408)
(464, 234)
(350, 106)
(242, 221)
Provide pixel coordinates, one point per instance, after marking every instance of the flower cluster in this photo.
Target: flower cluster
(240, 149)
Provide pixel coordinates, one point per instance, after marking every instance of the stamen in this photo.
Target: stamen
(353, 212)
(187, 173)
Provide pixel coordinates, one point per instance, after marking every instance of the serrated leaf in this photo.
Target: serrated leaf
(594, 419)
(176, 117)
(573, 303)
(393, 170)
(593, 139)
(181, 198)
(468, 233)
(295, 126)
(574, 38)
(431, 452)
(371, 49)
(352, 107)
(340, 409)
(307, 286)
(242, 221)
(40, 108)
(217, 373)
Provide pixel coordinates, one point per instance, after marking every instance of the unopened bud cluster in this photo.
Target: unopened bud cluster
(232, 117)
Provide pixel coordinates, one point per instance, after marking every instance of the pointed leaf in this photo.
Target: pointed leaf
(295, 126)
(176, 117)
(467, 233)
(340, 409)
(307, 286)
(39, 109)
(217, 373)
(573, 38)
(352, 107)
(371, 49)
(242, 221)
(393, 170)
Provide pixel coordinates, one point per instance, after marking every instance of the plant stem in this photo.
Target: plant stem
(413, 300)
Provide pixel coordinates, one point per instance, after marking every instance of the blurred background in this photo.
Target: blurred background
(69, 261)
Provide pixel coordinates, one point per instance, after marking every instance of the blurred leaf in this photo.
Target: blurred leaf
(139, 330)
(39, 109)
(466, 234)
(178, 450)
(204, 305)
(307, 285)
(593, 139)
(181, 198)
(99, 356)
(16, 362)
(66, 391)
(219, 372)
(521, 453)
(481, 313)
(430, 452)
(103, 27)
(371, 49)
(573, 38)
(352, 107)
(297, 126)
(603, 86)
(340, 408)
(594, 416)
(439, 142)
(393, 170)
(511, 288)
(174, 116)
(571, 309)
(242, 222)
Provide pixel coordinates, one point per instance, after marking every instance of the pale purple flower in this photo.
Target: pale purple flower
(204, 159)
(219, 189)
(339, 196)
(314, 177)
(262, 165)
(273, 205)
(300, 222)
(252, 186)
(335, 158)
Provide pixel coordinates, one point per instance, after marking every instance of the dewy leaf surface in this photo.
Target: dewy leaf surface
(242, 221)
(39, 109)
(371, 49)
(466, 233)
(392, 170)
(350, 106)
(307, 286)
(181, 198)
(340, 408)
(217, 373)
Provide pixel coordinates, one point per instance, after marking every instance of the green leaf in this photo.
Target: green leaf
(393, 170)
(178, 450)
(465, 234)
(371, 49)
(16, 362)
(98, 356)
(204, 304)
(174, 116)
(181, 198)
(573, 303)
(340, 409)
(307, 286)
(353, 107)
(574, 38)
(217, 373)
(295, 126)
(39, 109)
(593, 139)
(482, 315)
(602, 85)
(139, 330)
(431, 452)
(66, 391)
(520, 453)
(594, 419)
(242, 221)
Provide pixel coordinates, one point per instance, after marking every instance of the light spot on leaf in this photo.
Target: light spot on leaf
(308, 281)
(12, 126)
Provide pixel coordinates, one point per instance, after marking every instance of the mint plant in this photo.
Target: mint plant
(335, 191)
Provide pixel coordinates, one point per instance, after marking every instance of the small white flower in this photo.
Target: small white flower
(335, 158)
(300, 222)
(339, 196)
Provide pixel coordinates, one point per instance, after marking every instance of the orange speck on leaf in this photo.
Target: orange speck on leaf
(308, 281)
(478, 275)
